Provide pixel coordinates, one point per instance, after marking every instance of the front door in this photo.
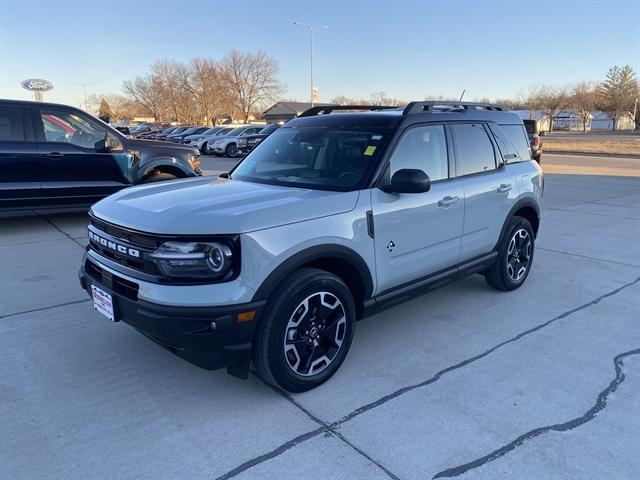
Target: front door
(418, 234)
(20, 168)
(76, 165)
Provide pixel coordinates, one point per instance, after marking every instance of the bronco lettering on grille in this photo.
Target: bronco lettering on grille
(116, 247)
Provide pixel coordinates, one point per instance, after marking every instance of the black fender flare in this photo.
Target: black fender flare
(170, 162)
(523, 202)
(317, 252)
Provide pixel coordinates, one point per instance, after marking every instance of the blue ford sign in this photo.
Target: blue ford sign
(37, 85)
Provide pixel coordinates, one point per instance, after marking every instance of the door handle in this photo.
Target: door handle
(447, 201)
(504, 188)
(55, 155)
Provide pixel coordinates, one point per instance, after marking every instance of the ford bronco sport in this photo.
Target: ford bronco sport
(333, 217)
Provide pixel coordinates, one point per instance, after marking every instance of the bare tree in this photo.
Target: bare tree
(121, 107)
(250, 80)
(584, 99)
(148, 92)
(551, 100)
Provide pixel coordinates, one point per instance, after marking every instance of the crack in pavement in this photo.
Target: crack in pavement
(587, 256)
(601, 403)
(50, 222)
(475, 358)
(40, 309)
(332, 428)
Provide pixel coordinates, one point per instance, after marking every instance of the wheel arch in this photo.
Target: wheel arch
(168, 165)
(527, 208)
(339, 260)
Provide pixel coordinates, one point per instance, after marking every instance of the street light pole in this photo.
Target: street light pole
(84, 89)
(300, 24)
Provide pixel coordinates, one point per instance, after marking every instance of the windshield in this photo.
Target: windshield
(236, 131)
(268, 129)
(179, 130)
(169, 130)
(318, 158)
(211, 131)
(191, 130)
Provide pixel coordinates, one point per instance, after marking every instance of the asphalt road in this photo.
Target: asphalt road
(540, 383)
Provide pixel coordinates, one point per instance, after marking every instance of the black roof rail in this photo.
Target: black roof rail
(324, 109)
(428, 106)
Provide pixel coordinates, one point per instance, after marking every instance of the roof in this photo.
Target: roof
(290, 108)
(32, 103)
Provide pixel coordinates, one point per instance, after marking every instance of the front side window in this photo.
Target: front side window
(422, 148)
(474, 150)
(67, 127)
(321, 158)
(11, 128)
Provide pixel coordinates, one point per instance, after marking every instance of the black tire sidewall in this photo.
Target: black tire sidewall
(277, 318)
(516, 224)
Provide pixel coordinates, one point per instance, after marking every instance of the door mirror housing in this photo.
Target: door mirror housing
(408, 180)
(112, 144)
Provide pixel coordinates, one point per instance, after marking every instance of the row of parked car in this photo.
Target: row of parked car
(227, 140)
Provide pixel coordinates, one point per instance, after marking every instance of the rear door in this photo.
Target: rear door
(76, 166)
(20, 167)
(488, 189)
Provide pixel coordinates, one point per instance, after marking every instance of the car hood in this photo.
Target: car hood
(209, 205)
(141, 142)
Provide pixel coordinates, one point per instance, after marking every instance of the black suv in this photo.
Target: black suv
(56, 155)
(249, 142)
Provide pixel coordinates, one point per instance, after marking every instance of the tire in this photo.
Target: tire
(231, 150)
(290, 330)
(159, 177)
(203, 149)
(538, 157)
(515, 256)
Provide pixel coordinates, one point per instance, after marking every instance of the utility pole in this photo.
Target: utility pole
(84, 89)
(311, 29)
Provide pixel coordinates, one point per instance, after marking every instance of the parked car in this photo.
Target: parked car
(247, 143)
(162, 136)
(154, 135)
(227, 145)
(179, 137)
(53, 155)
(205, 138)
(535, 142)
(328, 220)
(149, 128)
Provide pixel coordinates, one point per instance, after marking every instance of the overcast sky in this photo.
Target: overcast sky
(408, 49)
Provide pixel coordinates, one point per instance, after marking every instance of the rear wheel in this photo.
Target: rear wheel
(515, 255)
(203, 148)
(231, 150)
(306, 331)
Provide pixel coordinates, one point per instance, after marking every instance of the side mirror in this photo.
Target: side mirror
(112, 144)
(408, 180)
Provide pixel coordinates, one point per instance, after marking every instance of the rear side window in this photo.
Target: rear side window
(474, 150)
(517, 135)
(11, 127)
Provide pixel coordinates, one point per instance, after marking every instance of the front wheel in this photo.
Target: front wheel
(515, 255)
(203, 148)
(306, 331)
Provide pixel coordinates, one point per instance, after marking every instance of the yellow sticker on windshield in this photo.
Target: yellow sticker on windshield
(370, 150)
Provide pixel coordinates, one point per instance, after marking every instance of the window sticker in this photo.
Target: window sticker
(370, 150)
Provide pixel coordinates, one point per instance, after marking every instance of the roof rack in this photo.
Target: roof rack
(324, 109)
(429, 106)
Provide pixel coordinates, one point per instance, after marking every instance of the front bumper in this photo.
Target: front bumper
(185, 331)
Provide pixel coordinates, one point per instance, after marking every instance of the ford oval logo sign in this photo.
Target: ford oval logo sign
(37, 85)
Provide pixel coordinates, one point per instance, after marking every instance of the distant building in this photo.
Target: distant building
(282, 112)
(570, 121)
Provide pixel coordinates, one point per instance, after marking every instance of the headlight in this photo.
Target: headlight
(194, 161)
(242, 141)
(201, 260)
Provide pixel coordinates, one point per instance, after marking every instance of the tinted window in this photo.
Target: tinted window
(71, 128)
(423, 148)
(474, 150)
(531, 126)
(11, 128)
(518, 137)
(322, 158)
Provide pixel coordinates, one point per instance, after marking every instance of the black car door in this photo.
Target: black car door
(76, 166)
(20, 168)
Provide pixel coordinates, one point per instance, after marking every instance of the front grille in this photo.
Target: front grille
(113, 282)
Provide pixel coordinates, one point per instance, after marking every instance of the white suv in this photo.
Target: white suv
(330, 219)
(227, 144)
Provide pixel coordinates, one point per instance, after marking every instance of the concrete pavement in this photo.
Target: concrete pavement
(542, 382)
